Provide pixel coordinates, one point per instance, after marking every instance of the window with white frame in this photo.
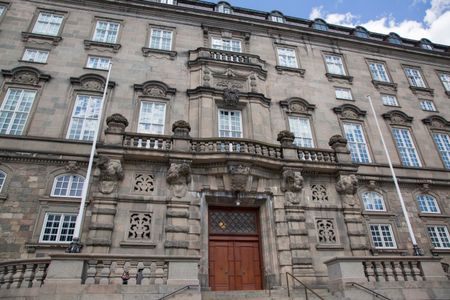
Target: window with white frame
(15, 109)
(382, 236)
(84, 119)
(106, 32)
(445, 79)
(415, 77)
(442, 141)
(225, 9)
(67, 185)
(161, 39)
(335, 65)
(373, 201)
(427, 204)
(58, 228)
(35, 55)
(2, 9)
(2, 180)
(287, 57)
(277, 19)
(389, 100)
(357, 142)
(230, 123)
(301, 128)
(439, 236)
(98, 62)
(48, 23)
(343, 93)
(427, 105)
(152, 117)
(226, 44)
(378, 71)
(166, 1)
(406, 147)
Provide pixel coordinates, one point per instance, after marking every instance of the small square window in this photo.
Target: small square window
(389, 100)
(382, 236)
(287, 57)
(35, 55)
(166, 1)
(161, 39)
(106, 32)
(98, 62)
(58, 228)
(335, 65)
(48, 23)
(343, 93)
(277, 19)
(427, 105)
(222, 8)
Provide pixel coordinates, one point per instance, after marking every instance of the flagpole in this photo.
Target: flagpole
(75, 246)
(416, 249)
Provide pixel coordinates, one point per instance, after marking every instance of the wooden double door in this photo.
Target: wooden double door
(234, 259)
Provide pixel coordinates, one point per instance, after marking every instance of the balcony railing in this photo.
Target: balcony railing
(23, 273)
(316, 155)
(147, 141)
(393, 270)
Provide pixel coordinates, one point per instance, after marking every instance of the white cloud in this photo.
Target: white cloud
(434, 27)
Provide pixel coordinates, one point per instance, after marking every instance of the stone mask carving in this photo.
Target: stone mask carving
(231, 96)
(178, 177)
(347, 186)
(110, 172)
(292, 184)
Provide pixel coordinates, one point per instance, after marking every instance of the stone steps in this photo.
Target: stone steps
(297, 294)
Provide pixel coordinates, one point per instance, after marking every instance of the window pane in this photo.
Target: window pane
(230, 123)
(357, 143)
(161, 39)
(389, 100)
(84, 118)
(445, 78)
(2, 180)
(226, 44)
(442, 141)
(405, 147)
(287, 58)
(97, 62)
(382, 236)
(34, 55)
(58, 227)
(378, 72)
(427, 105)
(428, 204)
(106, 32)
(439, 236)
(334, 64)
(415, 77)
(343, 93)
(373, 201)
(47, 23)
(302, 131)
(15, 109)
(152, 117)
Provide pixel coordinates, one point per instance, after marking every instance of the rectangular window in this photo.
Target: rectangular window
(439, 237)
(343, 93)
(152, 117)
(98, 62)
(382, 236)
(161, 39)
(2, 10)
(389, 100)
(224, 9)
(442, 141)
(378, 71)
(226, 44)
(335, 64)
(230, 123)
(302, 131)
(58, 228)
(106, 32)
(405, 147)
(15, 110)
(287, 57)
(277, 19)
(427, 105)
(357, 143)
(415, 77)
(445, 79)
(35, 55)
(166, 1)
(48, 23)
(84, 118)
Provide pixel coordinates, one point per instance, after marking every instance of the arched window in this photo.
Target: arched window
(425, 44)
(67, 185)
(373, 201)
(394, 38)
(224, 7)
(2, 180)
(320, 24)
(276, 16)
(427, 204)
(361, 32)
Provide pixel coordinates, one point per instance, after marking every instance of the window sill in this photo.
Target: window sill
(61, 200)
(378, 213)
(384, 84)
(282, 69)
(422, 90)
(332, 77)
(32, 247)
(329, 247)
(137, 244)
(345, 99)
(32, 62)
(437, 251)
(55, 39)
(146, 52)
(433, 215)
(381, 251)
(94, 69)
(88, 44)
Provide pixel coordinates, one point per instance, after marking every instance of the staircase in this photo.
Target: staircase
(282, 294)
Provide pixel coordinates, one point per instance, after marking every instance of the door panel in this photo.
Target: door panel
(221, 265)
(247, 266)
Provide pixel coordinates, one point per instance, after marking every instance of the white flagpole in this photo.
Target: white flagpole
(75, 246)
(416, 248)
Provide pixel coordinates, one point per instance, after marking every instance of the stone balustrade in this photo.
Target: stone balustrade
(316, 155)
(23, 273)
(393, 270)
(225, 56)
(147, 141)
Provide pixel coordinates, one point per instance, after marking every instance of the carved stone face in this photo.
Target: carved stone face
(179, 187)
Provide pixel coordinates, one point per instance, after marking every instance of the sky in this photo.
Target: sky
(414, 19)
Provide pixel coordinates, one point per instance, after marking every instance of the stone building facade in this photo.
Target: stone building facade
(235, 146)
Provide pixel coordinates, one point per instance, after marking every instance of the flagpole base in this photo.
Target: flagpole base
(417, 251)
(75, 246)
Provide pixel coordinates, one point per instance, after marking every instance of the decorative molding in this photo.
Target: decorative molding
(339, 78)
(219, 93)
(26, 75)
(91, 82)
(155, 89)
(297, 105)
(55, 39)
(436, 122)
(147, 51)
(88, 44)
(421, 91)
(383, 86)
(349, 111)
(282, 69)
(397, 117)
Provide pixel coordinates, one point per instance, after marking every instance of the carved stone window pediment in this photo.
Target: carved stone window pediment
(91, 82)
(437, 123)
(350, 112)
(154, 89)
(297, 105)
(397, 117)
(26, 75)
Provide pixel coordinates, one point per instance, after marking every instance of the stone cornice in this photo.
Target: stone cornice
(212, 91)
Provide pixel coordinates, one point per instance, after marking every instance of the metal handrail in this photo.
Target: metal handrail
(304, 285)
(377, 295)
(187, 287)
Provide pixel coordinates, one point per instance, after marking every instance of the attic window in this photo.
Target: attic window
(320, 24)
(425, 44)
(394, 38)
(224, 8)
(361, 32)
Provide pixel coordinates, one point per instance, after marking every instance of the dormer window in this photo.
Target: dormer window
(425, 44)
(394, 38)
(320, 24)
(361, 32)
(276, 16)
(224, 8)
(166, 1)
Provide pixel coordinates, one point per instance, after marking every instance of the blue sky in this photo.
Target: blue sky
(410, 18)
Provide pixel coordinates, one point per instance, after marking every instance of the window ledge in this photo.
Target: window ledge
(88, 44)
(329, 247)
(379, 84)
(433, 215)
(332, 77)
(421, 90)
(55, 39)
(437, 251)
(62, 200)
(282, 69)
(143, 244)
(94, 69)
(146, 51)
(377, 213)
(32, 62)
(32, 247)
(345, 99)
(381, 251)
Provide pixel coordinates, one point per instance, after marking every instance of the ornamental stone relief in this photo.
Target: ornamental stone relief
(25, 77)
(178, 178)
(319, 192)
(347, 186)
(109, 172)
(292, 185)
(92, 84)
(325, 231)
(239, 177)
(153, 91)
(140, 226)
(143, 183)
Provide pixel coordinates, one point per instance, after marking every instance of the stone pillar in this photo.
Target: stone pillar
(116, 129)
(286, 139)
(339, 144)
(181, 138)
